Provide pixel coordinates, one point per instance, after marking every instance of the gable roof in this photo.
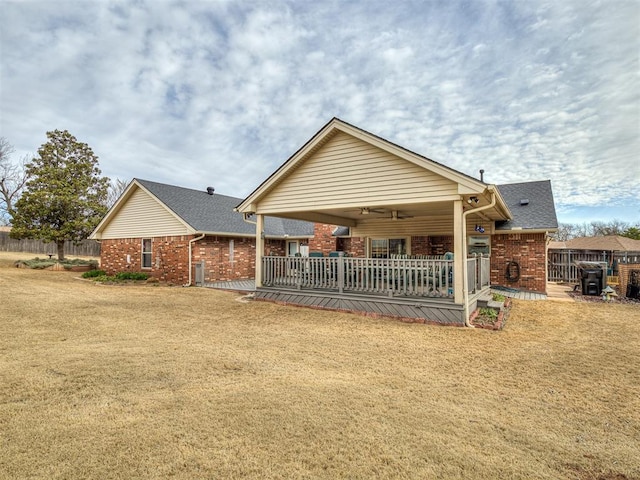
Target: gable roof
(531, 205)
(465, 183)
(211, 214)
(610, 243)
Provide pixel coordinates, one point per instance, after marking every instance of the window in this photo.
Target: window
(385, 247)
(146, 253)
(292, 248)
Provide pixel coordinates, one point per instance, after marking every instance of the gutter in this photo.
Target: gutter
(465, 274)
(191, 242)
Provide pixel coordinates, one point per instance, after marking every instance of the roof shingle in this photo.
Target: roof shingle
(531, 204)
(215, 214)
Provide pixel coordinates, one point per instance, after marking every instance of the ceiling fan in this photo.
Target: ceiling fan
(395, 215)
(367, 210)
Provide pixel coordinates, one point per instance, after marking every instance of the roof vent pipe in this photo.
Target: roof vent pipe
(210, 190)
(482, 175)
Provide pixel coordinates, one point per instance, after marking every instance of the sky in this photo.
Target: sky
(221, 93)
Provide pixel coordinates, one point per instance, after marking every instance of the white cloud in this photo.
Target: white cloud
(224, 92)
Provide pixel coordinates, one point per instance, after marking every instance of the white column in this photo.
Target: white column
(459, 260)
(259, 248)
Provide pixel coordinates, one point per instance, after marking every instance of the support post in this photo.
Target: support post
(459, 259)
(259, 248)
(340, 272)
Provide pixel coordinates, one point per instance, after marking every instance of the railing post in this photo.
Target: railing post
(340, 272)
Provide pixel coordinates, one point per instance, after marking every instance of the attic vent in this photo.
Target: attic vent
(210, 190)
(524, 201)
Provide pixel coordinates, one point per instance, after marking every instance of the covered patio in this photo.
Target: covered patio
(388, 202)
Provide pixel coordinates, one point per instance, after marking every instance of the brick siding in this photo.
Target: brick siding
(226, 258)
(170, 257)
(323, 239)
(529, 251)
(440, 245)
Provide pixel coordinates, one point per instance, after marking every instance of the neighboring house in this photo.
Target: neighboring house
(166, 230)
(612, 250)
(403, 218)
(605, 243)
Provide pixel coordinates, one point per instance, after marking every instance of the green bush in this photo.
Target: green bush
(499, 298)
(489, 312)
(94, 273)
(131, 276)
(41, 263)
(38, 263)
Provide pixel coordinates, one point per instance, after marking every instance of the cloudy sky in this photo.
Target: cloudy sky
(220, 93)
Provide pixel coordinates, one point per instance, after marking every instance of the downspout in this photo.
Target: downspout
(191, 242)
(465, 274)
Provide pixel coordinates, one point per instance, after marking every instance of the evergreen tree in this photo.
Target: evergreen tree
(65, 195)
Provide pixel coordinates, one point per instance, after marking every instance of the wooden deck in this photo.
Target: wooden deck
(416, 309)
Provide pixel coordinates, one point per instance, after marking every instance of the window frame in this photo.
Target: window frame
(407, 245)
(146, 254)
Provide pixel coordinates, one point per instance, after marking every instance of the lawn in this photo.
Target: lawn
(169, 382)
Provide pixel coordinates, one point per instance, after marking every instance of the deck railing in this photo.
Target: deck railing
(478, 273)
(392, 277)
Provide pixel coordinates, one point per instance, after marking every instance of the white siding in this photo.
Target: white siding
(143, 216)
(434, 225)
(347, 172)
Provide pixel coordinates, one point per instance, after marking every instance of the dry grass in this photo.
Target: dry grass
(154, 382)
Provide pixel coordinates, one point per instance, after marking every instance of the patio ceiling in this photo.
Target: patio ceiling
(411, 212)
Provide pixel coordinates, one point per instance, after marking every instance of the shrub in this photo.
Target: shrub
(38, 263)
(94, 273)
(41, 263)
(489, 312)
(131, 276)
(499, 298)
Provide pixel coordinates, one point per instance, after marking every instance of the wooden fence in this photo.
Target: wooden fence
(87, 248)
(562, 262)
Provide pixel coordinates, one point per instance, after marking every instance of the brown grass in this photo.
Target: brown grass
(154, 382)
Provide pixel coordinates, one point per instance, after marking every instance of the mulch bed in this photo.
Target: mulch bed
(578, 297)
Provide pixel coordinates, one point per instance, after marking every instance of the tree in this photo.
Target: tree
(632, 232)
(13, 177)
(116, 189)
(65, 195)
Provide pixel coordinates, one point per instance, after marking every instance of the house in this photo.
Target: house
(167, 230)
(619, 255)
(418, 239)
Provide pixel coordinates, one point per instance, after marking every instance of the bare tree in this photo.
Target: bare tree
(13, 177)
(116, 189)
(567, 231)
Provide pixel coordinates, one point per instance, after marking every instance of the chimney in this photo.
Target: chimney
(210, 190)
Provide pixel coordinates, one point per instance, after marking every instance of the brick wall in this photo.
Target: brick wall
(226, 258)
(440, 245)
(354, 246)
(169, 257)
(276, 248)
(420, 245)
(529, 251)
(323, 239)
